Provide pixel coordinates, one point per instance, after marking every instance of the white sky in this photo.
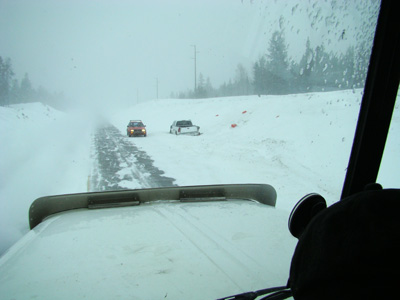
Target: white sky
(114, 51)
(103, 48)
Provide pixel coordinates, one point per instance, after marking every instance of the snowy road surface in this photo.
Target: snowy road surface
(119, 163)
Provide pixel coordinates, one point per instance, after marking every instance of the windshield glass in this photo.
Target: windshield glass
(136, 124)
(272, 87)
(389, 169)
(184, 123)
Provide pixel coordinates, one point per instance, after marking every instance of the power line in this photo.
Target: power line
(195, 66)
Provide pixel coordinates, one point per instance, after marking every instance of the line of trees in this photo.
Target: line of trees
(14, 91)
(275, 74)
(317, 69)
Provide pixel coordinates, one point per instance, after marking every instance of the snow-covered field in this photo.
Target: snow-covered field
(297, 143)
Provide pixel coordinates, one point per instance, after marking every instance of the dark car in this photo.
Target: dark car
(136, 128)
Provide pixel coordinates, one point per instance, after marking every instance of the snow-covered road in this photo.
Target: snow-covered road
(119, 164)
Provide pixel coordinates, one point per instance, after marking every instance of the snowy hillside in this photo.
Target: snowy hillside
(297, 143)
(43, 152)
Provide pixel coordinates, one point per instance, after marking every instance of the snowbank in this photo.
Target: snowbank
(43, 152)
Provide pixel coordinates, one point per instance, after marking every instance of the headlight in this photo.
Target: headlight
(143, 130)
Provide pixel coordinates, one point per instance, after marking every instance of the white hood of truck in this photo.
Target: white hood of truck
(152, 251)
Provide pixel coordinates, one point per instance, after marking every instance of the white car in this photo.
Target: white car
(184, 127)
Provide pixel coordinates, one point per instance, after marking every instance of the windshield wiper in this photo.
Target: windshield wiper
(275, 293)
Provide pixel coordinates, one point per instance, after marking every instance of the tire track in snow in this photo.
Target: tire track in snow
(209, 232)
(233, 255)
(117, 160)
(225, 262)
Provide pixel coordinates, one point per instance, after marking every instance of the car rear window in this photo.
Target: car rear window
(184, 123)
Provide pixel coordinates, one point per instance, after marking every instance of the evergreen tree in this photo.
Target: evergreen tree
(242, 81)
(333, 75)
(26, 90)
(277, 75)
(305, 68)
(259, 75)
(361, 64)
(14, 92)
(348, 62)
(209, 88)
(6, 75)
(201, 88)
(320, 68)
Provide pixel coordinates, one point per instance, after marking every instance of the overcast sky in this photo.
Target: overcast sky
(108, 49)
(116, 51)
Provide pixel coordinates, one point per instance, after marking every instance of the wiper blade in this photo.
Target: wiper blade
(281, 295)
(275, 293)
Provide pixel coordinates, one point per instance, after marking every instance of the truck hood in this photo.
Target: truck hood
(151, 251)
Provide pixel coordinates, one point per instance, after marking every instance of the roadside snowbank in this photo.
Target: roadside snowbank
(43, 152)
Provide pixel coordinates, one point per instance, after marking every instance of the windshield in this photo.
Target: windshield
(184, 123)
(136, 124)
(273, 89)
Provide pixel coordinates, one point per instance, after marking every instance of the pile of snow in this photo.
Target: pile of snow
(44, 152)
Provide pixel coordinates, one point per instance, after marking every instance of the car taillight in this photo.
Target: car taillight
(179, 129)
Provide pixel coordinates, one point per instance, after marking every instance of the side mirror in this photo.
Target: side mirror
(304, 210)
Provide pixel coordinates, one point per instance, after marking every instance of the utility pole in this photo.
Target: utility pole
(195, 72)
(157, 86)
